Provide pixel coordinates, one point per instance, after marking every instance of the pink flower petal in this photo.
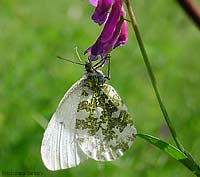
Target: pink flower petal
(93, 2)
(101, 12)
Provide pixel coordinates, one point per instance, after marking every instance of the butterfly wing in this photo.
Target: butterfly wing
(59, 148)
(104, 127)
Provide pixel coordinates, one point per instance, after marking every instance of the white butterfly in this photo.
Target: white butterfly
(91, 121)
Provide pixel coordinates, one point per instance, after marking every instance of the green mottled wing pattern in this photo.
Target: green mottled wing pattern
(91, 121)
(104, 128)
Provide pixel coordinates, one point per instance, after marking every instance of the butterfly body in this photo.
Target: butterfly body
(91, 121)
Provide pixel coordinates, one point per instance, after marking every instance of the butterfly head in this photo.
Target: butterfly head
(88, 67)
(93, 78)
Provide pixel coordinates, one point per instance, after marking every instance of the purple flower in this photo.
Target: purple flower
(101, 12)
(115, 31)
(123, 36)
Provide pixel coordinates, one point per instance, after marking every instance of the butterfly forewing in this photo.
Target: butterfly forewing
(104, 127)
(59, 148)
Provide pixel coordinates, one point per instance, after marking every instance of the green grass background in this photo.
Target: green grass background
(32, 82)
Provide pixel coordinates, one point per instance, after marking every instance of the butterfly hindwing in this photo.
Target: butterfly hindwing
(91, 121)
(104, 127)
(59, 148)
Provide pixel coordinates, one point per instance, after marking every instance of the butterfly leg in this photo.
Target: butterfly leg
(101, 64)
(108, 75)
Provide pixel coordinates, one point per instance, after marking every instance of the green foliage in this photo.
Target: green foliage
(173, 152)
(32, 81)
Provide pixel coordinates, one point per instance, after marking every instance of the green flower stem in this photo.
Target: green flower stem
(151, 74)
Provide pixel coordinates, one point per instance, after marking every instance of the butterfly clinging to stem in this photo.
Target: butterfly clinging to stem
(91, 121)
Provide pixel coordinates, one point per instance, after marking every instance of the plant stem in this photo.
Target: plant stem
(151, 74)
(191, 10)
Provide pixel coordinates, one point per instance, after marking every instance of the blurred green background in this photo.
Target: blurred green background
(32, 82)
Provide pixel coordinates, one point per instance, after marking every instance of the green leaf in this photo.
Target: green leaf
(186, 160)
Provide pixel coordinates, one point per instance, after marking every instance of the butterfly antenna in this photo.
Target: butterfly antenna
(76, 50)
(78, 63)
